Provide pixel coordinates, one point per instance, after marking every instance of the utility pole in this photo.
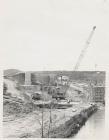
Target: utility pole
(50, 121)
(42, 121)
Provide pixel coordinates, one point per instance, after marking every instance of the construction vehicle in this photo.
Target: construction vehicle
(60, 95)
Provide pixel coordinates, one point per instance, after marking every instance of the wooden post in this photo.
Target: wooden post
(42, 121)
(50, 120)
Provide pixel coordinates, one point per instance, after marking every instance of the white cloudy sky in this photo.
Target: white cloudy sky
(50, 34)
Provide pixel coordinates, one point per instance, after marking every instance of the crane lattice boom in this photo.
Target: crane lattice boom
(84, 49)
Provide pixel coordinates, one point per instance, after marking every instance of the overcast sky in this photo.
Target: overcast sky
(50, 34)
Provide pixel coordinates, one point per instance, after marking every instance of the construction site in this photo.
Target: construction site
(44, 104)
(51, 104)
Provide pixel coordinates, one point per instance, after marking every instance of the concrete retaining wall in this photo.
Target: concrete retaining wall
(72, 126)
(30, 88)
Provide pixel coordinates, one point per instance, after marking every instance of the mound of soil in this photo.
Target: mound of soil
(12, 105)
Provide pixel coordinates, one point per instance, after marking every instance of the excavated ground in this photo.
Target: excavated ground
(29, 124)
(23, 119)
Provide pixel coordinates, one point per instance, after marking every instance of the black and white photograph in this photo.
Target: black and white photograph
(53, 104)
(54, 69)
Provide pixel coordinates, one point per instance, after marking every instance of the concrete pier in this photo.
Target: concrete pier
(27, 78)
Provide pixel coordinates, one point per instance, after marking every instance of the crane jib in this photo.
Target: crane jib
(84, 49)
